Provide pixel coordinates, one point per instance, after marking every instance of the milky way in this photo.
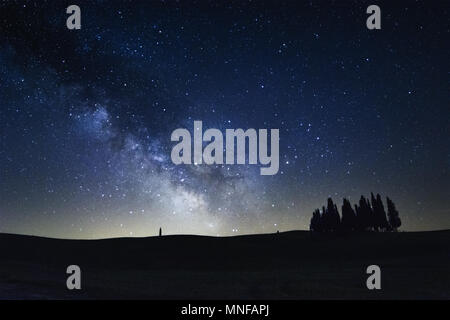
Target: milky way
(86, 115)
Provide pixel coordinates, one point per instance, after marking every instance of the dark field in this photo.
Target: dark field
(291, 265)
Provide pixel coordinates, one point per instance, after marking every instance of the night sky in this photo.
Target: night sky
(86, 115)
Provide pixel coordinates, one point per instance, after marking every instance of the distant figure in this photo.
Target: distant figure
(160, 232)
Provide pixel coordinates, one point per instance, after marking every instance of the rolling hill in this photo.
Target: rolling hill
(289, 265)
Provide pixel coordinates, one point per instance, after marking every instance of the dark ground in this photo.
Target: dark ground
(291, 265)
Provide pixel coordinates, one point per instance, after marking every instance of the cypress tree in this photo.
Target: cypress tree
(381, 214)
(359, 219)
(333, 218)
(394, 219)
(374, 211)
(365, 213)
(315, 224)
(348, 221)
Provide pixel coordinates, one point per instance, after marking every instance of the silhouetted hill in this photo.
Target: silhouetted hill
(289, 265)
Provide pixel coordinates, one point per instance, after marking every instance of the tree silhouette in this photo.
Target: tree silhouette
(315, 224)
(374, 211)
(160, 232)
(323, 220)
(394, 219)
(371, 216)
(380, 222)
(331, 217)
(383, 223)
(359, 221)
(348, 221)
(367, 215)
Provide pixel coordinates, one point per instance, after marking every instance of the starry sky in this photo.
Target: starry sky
(86, 115)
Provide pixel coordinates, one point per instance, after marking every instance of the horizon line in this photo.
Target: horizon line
(202, 235)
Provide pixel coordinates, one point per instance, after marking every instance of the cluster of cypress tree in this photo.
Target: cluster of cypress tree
(365, 216)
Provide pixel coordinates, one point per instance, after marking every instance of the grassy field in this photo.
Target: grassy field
(290, 265)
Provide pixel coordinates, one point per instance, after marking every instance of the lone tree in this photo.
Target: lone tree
(160, 232)
(394, 219)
